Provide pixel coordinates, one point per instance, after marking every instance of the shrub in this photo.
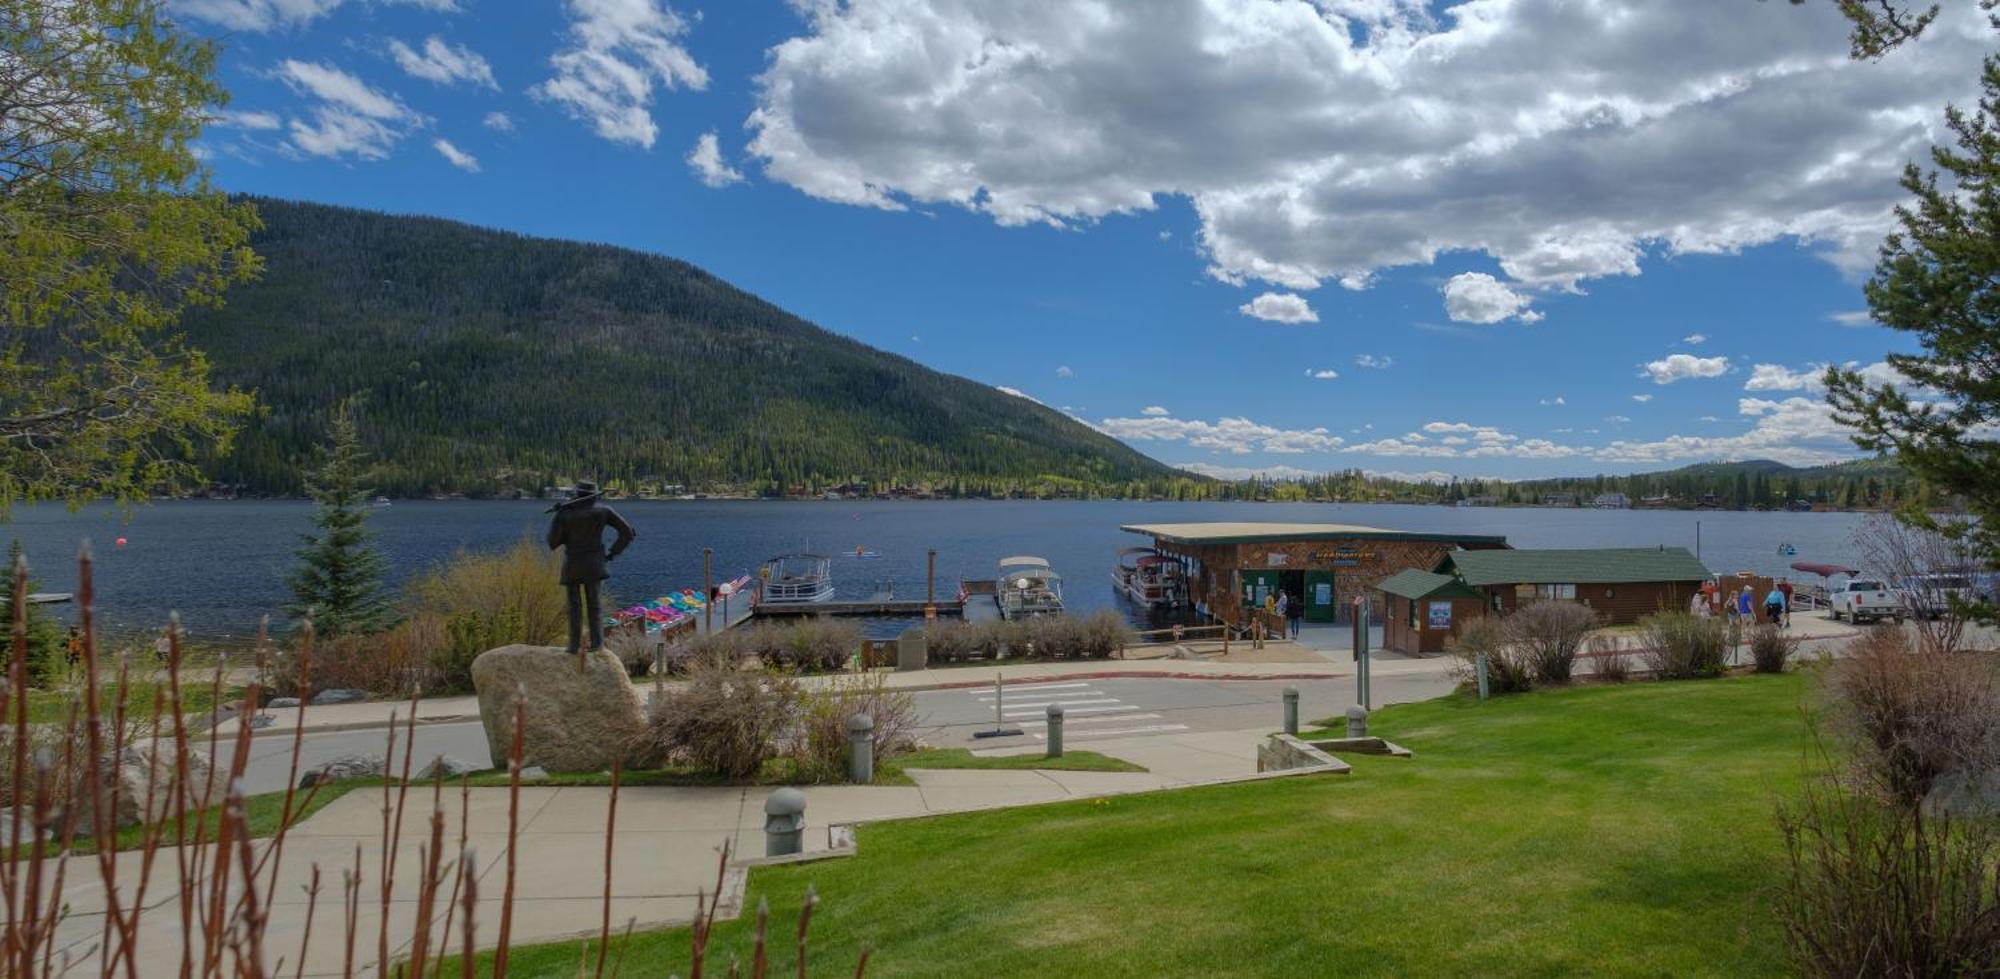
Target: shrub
(1681, 645)
(810, 645)
(1614, 664)
(515, 587)
(952, 641)
(1878, 889)
(634, 648)
(820, 745)
(1547, 636)
(1506, 670)
(723, 718)
(391, 663)
(1912, 717)
(1770, 648)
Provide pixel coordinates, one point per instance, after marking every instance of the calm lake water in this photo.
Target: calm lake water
(222, 564)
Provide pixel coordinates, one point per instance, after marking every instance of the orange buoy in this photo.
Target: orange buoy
(121, 542)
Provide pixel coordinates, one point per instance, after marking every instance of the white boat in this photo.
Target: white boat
(1150, 578)
(796, 579)
(1028, 587)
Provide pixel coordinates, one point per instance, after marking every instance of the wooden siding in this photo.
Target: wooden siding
(1621, 604)
(1398, 636)
(1357, 566)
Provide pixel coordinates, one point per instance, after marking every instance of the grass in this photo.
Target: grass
(1602, 830)
(1071, 761)
(262, 812)
(52, 706)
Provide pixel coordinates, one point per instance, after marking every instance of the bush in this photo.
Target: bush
(810, 645)
(820, 745)
(1547, 636)
(1681, 645)
(723, 718)
(1614, 664)
(1770, 648)
(634, 648)
(1912, 717)
(1507, 671)
(512, 594)
(1057, 637)
(952, 641)
(391, 663)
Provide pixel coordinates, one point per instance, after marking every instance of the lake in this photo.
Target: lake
(222, 564)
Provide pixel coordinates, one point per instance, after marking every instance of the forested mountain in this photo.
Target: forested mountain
(492, 362)
(1750, 484)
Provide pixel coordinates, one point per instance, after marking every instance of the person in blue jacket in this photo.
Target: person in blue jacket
(1744, 609)
(1774, 607)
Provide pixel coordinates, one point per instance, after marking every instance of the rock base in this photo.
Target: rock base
(575, 721)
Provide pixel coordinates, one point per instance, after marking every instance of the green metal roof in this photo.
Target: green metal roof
(1236, 532)
(1414, 585)
(1597, 566)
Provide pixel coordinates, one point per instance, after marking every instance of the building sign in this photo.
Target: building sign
(1323, 593)
(1342, 557)
(1440, 616)
(1276, 559)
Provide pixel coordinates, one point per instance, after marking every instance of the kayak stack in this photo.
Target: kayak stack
(664, 612)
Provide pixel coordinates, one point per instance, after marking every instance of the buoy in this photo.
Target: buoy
(121, 542)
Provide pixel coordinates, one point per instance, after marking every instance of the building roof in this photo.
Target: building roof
(1597, 566)
(1413, 584)
(1250, 533)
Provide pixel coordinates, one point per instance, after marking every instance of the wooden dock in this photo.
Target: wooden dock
(871, 606)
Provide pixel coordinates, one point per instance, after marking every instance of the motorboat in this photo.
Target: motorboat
(1028, 587)
(1150, 578)
(796, 579)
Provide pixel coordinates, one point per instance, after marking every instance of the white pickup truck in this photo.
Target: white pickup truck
(1865, 600)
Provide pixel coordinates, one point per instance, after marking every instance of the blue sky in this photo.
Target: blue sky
(1520, 238)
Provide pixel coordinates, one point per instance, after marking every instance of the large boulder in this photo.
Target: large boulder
(141, 786)
(575, 720)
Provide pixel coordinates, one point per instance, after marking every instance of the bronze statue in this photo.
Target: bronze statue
(578, 528)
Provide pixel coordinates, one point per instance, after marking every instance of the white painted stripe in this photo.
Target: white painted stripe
(1037, 693)
(1106, 719)
(1038, 712)
(1117, 732)
(1066, 704)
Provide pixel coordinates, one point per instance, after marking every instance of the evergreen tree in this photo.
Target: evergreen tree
(338, 580)
(45, 637)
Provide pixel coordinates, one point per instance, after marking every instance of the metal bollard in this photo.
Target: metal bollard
(861, 749)
(1361, 684)
(1481, 669)
(1357, 721)
(1292, 710)
(784, 822)
(1055, 730)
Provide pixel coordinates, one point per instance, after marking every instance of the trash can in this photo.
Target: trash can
(911, 651)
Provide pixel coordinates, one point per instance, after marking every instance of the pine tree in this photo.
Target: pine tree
(338, 579)
(45, 637)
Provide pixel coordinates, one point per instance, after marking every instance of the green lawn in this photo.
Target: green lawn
(1604, 830)
(781, 771)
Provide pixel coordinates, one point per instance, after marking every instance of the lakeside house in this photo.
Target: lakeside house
(1422, 610)
(1611, 501)
(1232, 567)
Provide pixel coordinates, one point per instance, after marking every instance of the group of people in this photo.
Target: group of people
(1744, 607)
(1280, 604)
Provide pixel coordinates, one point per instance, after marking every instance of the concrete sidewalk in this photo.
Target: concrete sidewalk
(666, 849)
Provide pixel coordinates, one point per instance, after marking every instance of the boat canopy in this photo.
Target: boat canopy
(1023, 561)
(1823, 570)
(1136, 550)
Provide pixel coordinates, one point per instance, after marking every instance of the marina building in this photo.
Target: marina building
(1232, 567)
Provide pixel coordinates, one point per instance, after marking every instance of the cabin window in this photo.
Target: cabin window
(1555, 591)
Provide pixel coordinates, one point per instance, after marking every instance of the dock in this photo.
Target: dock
(870, 606)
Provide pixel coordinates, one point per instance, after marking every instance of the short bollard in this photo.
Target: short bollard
(1292, 710)
(1055, 730)
(861, 749)
(784, 822)
(1357, 721)
(1482, 675)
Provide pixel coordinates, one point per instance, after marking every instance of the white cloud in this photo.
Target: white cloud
(499, 122)
(1373, 362)
(443, 63)
(1853, 317)
(1154, 411)
(1694, 339)
(1475, 297)
(1319, 140)
(1238, 436)
(617, 51)
(348, 117)
(1280, 307)
(247, 120)
(1778, 377)
(1642, 398)
(459, 158)
(1616, 419)
(707, 163)
(1557, 400)
(1326, 374)
(1797, 431)
(270, 15)
(1063, 371)
(1681, 367)
(1708, 418)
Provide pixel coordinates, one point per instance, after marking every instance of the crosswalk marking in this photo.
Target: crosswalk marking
(1106, 719)
(1051, 695)
(1044, 686)
(1036, 711)
(1088, 711)
(1123, 731)
(1066, 704)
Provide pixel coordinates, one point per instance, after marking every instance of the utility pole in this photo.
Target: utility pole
(930, 584)
(708, 591)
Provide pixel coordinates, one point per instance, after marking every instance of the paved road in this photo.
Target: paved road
(1093, 709)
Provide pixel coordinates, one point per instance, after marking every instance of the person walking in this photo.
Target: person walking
(1785, 586)
(1295, 616)
(1700, 607)
(1774, 607)
(1746, 605)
